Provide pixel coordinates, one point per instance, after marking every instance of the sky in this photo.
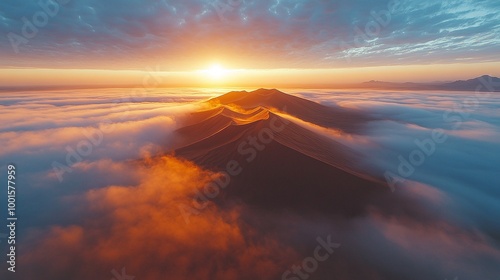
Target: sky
(345, 40)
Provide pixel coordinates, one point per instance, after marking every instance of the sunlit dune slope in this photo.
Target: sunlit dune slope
(283, 164)
(339, 118)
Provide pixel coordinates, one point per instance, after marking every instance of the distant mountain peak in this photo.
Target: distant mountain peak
(487, 76)
(474, 84)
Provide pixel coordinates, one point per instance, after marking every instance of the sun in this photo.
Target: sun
(216, 72)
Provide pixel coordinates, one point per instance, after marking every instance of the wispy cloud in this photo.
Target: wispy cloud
(293, 33)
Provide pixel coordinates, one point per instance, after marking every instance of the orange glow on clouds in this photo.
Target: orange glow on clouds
(141, 227)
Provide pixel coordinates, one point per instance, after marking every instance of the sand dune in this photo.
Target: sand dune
(287, 166)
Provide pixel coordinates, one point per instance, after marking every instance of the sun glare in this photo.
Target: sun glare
(216, 72)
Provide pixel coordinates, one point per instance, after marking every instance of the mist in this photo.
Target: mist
(100, 191)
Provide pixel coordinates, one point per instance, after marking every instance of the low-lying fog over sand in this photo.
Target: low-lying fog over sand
(195, 184)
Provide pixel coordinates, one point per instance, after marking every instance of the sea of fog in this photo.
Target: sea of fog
(77, 186)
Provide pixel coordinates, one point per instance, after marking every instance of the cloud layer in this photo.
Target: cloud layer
(118, 207)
